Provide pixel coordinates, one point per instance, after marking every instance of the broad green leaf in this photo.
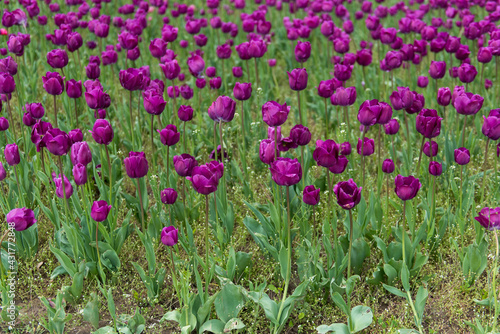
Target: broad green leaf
(339, 301)
(394, 291)
(420, 300)
(361, 318)
(229, 302)
(91, 311)
(405, 277)
(336, 328)
(234, 323)
(213, 326)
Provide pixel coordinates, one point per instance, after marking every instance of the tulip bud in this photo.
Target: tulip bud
(388, 166)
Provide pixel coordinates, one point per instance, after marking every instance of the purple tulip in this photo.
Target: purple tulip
(184, 164)
(57, 142)
(102, 132)
(467, 73)
(12, 154)
(300, 135)
(286, 171)
(53, 83)
(171, 69)
(489, 218)
(484, 55)
(435, 168)
(28, 120)
(462, 156)
(168, 196)
(407, 187)
(215, 83)
(370, 112)
(302, 51)
(339, 166)
(422, 81)
(7, 83)
(344, 96)
(267, 151)
(468, 103)
(310, 195)
(169, 135)
(196, 65)
(204, 180)
(443, 96)
(153, 102)
(345, 148)
(275, 114)
(326, 88)
(392, 127)
(68, 188)
(131, 79)
(402, 98)
(491, 126)
(348, 194)
(427, 147)
(437, 70)
(297, 79)
(242, 91)
(3, 172)
(8, 65)
(4, 124)
(222, 109)
(368, 146)
(80, 174)
(169, 236)
(74, 88)
(136, 165)
(326, 153)
(20, 218)
(185, 113)
(388, 166)
(237, 72)
(80, 153)
(57, 58)
(428, 123)
(100, 211)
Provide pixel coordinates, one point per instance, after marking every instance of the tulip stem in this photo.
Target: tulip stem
(215, 140)
(140, 203)
(55, 110)
(463, 131)
(243, 127)
(408, 135)
(173, 271)
(493, 284)
(346, 115)
(363, 157)
(184, 136)
(152, 143)
(11, 118)
(350, 244)
(302, 166)
(168, 163)
(174, 101)
(289, 260)
(387, 198)
(76, 114)
(101, 271)
(484, 169)
(110, 175)
(326, 120)
(300, 110)
(206, 246)
(130, 111)
(65, 200)
(420, 154)
(403, 232)
(256, 72)
(275, 143)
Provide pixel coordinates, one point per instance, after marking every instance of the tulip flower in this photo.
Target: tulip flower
(136, 166)
(100, 210)
(348, 195)
(80, 174)
(169, 236)
(168, 196)
(63, 189)
(302, 51)
(20, 219)
(467, 104)
(53, 84)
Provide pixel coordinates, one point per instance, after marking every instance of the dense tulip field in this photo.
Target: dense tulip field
(249, 166)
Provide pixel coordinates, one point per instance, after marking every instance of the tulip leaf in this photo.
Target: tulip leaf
(420, 301)
(336, 328)
(361, 318)
(234, 323)
(213, 326)
(229, 302)
(405, 277)
(341, 304)
(64, 260)
(91, 311)
(394, 291)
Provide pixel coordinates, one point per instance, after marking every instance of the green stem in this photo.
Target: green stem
(206, 247)
(215, 140)
(484, 169)
(110, 175)
(463, 131)
(140, 202)
(65, 200)
(403, 232)
(300, 110)
(363, 157)
(289, 260)
(350, 245)
(55, 110)
(420, 154)
(326, 119)
(493, 283)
